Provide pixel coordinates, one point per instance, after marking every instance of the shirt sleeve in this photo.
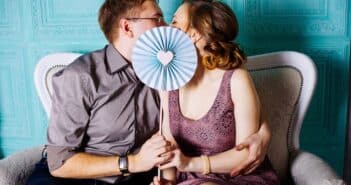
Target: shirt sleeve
(69, 116)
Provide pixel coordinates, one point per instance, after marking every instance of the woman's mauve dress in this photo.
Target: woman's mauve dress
(212, 134)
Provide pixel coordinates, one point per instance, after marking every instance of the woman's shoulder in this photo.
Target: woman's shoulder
(241, 84)
(241, 79)
(240, 74)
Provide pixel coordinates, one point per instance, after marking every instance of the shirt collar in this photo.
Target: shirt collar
(115, 60)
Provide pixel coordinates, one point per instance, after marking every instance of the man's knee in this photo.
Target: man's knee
(41, 174)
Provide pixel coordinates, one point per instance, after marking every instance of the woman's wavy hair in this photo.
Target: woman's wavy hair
(216, 22)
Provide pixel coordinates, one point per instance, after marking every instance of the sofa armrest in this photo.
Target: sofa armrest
(16, 168)
(308, 169)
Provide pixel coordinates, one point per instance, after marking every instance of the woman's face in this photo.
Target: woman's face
(181, 18)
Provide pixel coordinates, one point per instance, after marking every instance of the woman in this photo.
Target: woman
(217, 109)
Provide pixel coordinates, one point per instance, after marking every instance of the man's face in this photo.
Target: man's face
(149, 14)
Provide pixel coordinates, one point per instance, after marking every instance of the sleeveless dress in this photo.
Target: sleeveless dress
(212, 134)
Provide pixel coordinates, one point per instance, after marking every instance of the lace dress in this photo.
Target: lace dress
(212, 134)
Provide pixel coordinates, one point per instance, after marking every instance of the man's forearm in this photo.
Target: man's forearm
(87, 166)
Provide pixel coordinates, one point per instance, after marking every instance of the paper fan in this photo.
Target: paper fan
(164, 58)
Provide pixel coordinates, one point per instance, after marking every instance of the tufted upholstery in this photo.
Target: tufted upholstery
(279, 90)
(285, 82)
(45, 69)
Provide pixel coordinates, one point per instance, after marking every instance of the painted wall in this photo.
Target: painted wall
(31, 29)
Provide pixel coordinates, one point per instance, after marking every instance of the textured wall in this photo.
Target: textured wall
(30, 29)
(321, 29)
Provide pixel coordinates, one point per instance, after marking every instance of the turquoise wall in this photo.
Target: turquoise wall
(31, 29)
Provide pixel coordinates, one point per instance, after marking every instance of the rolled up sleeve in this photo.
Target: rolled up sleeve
(69, 116)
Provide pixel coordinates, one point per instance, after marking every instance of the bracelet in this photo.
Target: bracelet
(206, 162)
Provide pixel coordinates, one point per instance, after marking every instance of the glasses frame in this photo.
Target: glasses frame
(156, 19)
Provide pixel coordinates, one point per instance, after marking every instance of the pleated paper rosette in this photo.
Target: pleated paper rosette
(164, 58)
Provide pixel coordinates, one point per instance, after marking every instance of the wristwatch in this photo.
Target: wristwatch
(123, 165)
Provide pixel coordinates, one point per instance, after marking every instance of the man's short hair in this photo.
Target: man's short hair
(112, 11)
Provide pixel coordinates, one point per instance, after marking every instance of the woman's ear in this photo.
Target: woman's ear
(125, 28)
(194, 35)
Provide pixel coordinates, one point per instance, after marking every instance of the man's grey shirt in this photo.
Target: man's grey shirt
(99, 106)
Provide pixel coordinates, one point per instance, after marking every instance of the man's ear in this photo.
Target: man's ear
(125, 27)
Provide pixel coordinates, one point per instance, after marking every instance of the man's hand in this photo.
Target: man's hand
(257, 152)
(155, 151)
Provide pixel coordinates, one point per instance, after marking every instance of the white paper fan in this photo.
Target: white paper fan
(164, 58)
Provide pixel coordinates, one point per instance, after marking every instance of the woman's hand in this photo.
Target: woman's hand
(155, 151)
(257, 152)
(161, 182)
(179, 161)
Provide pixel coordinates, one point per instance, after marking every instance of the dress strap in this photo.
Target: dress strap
(225, 90)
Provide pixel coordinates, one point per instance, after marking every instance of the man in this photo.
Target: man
(104, 121)
(101, 113)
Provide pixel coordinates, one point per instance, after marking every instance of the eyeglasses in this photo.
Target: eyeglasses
(156, 19)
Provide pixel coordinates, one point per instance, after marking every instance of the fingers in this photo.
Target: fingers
(256, 155)
(155, 139)
(252, 167)
(161, 152)
(243, 145)
(164, 158)
(167, 165)
(158, 144)
(251, 140)
(240, 146)
(156, 181)
(173, 161)
(248, 166)
(241, 167)
(164, 149)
